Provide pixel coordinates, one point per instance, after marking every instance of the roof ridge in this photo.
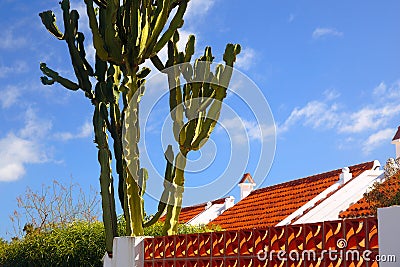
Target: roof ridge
(310, 178)
(215, 201)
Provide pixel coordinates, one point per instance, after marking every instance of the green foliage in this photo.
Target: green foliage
(79, 244)
(156, 229)
(386, 193)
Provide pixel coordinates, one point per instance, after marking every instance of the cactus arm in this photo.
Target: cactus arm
(98, 41)
(80, 72)
(169, 157)
(176, 107)
(106, 180)
(161, 19)
(173, 210)
(132, 50)
(115, 118)
(189, 48)
(55, 77)
(112, 41)
(81, 49)
(175, 23)
(101, 3)
(145, 28)
(143, 176)
(157, 63)
(49, 21)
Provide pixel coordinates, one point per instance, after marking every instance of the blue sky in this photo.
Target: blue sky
(329, 70)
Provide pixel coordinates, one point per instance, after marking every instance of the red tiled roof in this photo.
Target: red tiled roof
(188, 213)
(246, 177)
(270, 205)
(363, 209)
(397, 135)
(359, 209)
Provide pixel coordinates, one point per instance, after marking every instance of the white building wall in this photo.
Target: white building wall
(389, 236)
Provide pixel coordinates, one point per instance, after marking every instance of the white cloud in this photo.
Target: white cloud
(242, 131)
(321, 32)
(380, 89)
(331, 94)
(377, 139)
(9, 96)
(369, 120)
(23, 148)
(18, 150)
(246, 58)
(323, 116)
(198, 8)
(315, 114)
(34, 126)
(84, 131)
(9, 40)
(385, 92)
(15, 153)
(16, 68)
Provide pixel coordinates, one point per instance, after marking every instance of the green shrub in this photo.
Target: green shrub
(156, 229)
(79, 244)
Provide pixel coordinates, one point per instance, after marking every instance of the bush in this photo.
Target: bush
(156, 229)
(78, 244)
(386, 193)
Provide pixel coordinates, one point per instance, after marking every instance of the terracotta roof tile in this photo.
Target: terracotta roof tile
(270, 205)
(362, 208)
(359, 209)
(188, 213)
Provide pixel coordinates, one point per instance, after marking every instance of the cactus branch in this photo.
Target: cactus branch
(55, 77)
(49, 21)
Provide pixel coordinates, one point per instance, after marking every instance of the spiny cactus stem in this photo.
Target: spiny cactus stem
(98, 41)
(106, 181)
(168, 184)
(175, 202)
(57, 78)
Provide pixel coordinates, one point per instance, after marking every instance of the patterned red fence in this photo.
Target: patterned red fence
(349, 242)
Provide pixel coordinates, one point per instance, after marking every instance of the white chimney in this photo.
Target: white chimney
(345, 176)
(229, 202)
(246, 185)
(396, 142)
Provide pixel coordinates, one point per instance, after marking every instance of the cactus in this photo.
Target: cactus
(199, 100)
(125, 34)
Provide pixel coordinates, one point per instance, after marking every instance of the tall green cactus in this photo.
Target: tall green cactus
(199, 100)
(125, 34)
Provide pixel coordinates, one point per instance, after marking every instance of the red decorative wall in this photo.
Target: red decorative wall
(240, 248)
